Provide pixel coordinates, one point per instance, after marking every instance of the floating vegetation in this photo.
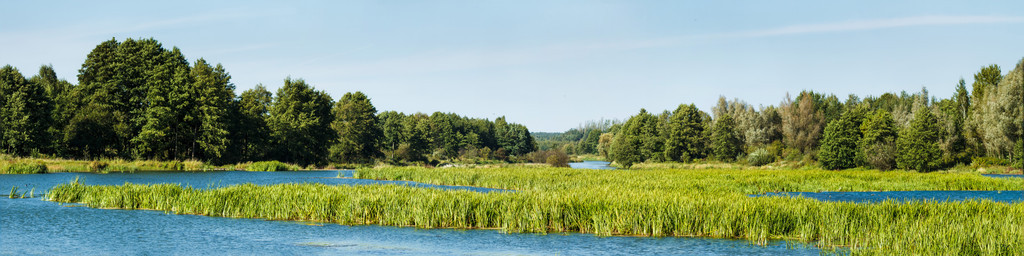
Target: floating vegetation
(685, 203)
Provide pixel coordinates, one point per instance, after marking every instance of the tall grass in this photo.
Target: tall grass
(271, 166)
(704, 203)
(21, 167)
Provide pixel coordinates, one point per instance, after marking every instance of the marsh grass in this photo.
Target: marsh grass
(659, 202)
(271, 166)
(21, 167)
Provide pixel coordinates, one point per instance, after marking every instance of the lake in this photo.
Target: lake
(33, 226)
(599, 165)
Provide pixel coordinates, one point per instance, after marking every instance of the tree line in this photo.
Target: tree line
(905, 130)
(138, 100)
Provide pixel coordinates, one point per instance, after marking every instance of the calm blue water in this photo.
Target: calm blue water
(600, 165)
(32, 226)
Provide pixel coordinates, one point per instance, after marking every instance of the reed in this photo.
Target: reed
(21, 167)
(704, 203)
(271, 166)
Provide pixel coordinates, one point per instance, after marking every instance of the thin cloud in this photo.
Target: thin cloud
(876, 24)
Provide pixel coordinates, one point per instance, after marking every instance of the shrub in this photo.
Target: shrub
(760, 157)
(558, 159)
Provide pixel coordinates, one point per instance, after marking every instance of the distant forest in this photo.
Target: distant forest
(138, 100)
(915, 131)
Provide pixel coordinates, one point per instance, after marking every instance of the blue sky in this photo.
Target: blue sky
(547, 64)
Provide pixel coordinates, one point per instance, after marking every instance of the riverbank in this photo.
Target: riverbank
(664, 202)
(51, 165)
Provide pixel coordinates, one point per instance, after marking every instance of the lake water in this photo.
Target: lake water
(600, 165)
(33, 226)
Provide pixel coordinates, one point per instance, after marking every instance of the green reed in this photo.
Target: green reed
(687, 203)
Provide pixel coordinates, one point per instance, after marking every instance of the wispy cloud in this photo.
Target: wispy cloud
(875, 24)
(444, 60)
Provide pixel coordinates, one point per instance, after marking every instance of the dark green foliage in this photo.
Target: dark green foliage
(249, 135)
(638, 140)
(59, 94)
(725, 146)
(918, 144)
(300, 123)
(24, 114)
(877, 143)
(514, 138)
(214, 96)
(358, 133)
(685, 139)
(839, 144)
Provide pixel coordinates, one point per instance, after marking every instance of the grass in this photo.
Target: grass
(271, 166)
(21, 167)
(15, 165)
(650, 202)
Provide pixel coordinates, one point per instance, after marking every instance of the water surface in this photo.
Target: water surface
(36, 227)
(600, 165)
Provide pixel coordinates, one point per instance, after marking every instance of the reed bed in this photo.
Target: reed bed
(686, 203)
(21, 167)
(271, 166)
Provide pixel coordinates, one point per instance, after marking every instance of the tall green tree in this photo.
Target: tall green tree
(725, 145)
(59, 95)
(985, 83)
(355, 125)
(918, 144)
(300, 123)
(166, 110)
(391, 125)
(685, 135)
(249, 135)
(839, 144)
(877, 144)
(214, 95)
(24, 114)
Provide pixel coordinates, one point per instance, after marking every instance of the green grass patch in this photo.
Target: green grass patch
(271, 166)
(21, 167)
(649, 202)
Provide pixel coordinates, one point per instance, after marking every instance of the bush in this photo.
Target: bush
(760, 157)
(978, 162)
(270, 166)
(558, 159)
(22, 168)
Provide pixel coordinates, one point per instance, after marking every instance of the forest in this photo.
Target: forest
(139, 100)
(979, 126)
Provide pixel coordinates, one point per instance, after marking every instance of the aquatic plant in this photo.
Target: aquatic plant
(21, 167)
(271, 166)
(664, 202)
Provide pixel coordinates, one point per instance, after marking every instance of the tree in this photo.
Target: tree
(24, 114)
(725, 145)
(59, 95)
(802, 123)
(392, 130)
(300, 123)
(1003, 114)
(628, 147)
(604, 144)
(685, 134)
(249, 136)
(918, 144)
(213, 98)
(839, 144)
(986, 80)
(355, 125)
(877, 143)
(166, 110)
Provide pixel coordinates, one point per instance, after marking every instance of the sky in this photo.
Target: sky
(550, 65)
